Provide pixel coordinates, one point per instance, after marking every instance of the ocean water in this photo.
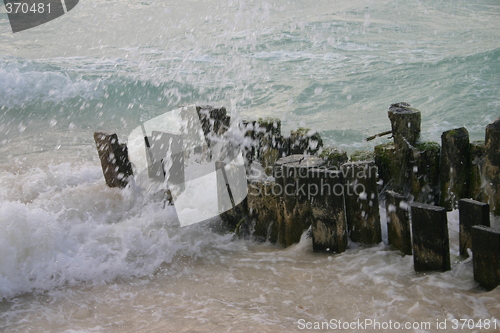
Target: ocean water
(76, 256)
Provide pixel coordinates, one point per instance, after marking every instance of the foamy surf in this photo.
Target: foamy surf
(208, 281)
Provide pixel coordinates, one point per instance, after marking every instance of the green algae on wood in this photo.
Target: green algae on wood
(478, 160)
(334, 157)
(269, 142)
(386, 162)
(362, 155)
(492, 165)
(264, 210)
(304, 141)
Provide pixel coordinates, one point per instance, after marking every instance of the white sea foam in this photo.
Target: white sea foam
(63, 225)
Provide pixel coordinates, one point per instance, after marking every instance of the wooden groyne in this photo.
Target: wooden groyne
(296, 183)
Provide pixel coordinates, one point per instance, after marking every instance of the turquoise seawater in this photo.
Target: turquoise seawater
(75, 254)
(332, 66)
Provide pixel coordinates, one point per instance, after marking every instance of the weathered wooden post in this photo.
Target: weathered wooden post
(362, 156)
(478, 159)
(270, 142)
(263, 206)
(405, 124)
(455, 167)
(248, 147)
(237, 219)
(214, 121)
(291, 174)
(492, 165)
(304, 141)
(398, 222)
(425, 172)
(334, 157)
(486, 256)
(115, 164)
(431, 245)
(361, 201)
(471, 213)
(325, 191)
(387, 164)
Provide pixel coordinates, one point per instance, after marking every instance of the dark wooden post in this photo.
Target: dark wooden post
(492, 166)
(270, 142)
(263, 207)
(325, 189)
(291, 175)
(478, 159)
(214, 121)
(471, 213)
(425, 172)
(387, 163)
(248, 149)
(431, 245)
(455, 167)
(398, 222)
(334, 157)
(405, 124)
(115, 164)
(486, 256)
(304, 141)
(361, 201)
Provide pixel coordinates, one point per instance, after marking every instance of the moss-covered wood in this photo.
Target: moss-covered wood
(478, 160)
(362, 156)
(263, 208)
(269, 126)
(386, 162)
(269, 142)
(304, 141)
(492, 165)
(334, 157)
